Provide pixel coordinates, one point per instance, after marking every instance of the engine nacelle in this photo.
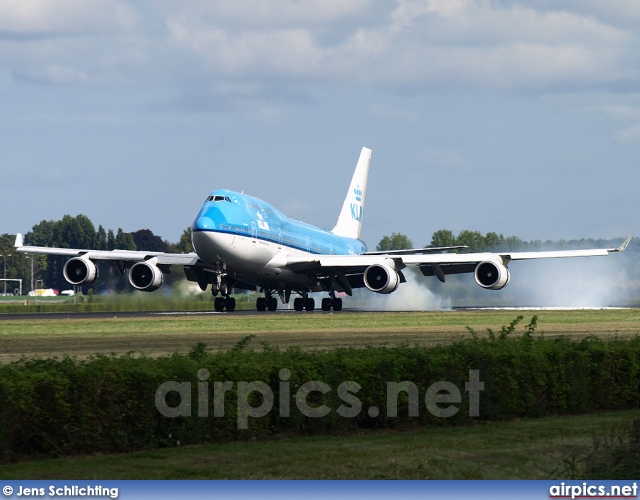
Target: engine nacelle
(492, 275)
(145, 276)
(80, 271)
(381, 278)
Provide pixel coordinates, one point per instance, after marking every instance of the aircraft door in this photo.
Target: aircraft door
(254, 230)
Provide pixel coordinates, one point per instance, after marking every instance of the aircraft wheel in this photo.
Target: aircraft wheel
(337, 304)
(218, 304)
(298, 304)
(214, 290)
(224, 289)
(272, 304)
(309, 304)
(230, 304)
(261, 304)
(326, 304)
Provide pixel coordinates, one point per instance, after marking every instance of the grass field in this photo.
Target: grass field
(165, 334)
(525, 449)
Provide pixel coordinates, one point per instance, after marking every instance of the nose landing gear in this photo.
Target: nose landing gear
(226, 301)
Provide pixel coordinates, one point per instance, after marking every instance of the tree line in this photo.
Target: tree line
(491, 242)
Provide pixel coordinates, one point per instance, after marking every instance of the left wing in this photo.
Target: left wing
(382, 272)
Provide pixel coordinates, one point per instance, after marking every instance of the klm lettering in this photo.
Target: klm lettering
(356, 212)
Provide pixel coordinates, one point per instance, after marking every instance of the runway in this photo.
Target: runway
(139, 314)
(152, 314)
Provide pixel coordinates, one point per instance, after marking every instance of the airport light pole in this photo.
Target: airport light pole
(4, 264)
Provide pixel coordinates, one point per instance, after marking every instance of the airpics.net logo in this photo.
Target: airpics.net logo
(256, 399)
(586, 490)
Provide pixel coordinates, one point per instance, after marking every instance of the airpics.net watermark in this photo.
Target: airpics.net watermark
(440, 398)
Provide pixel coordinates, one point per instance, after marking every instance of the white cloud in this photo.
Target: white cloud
(276, 13)
(64, 17)
(423, 45)
(462, 42)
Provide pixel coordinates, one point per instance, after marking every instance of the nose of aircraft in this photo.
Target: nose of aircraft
(203, 223)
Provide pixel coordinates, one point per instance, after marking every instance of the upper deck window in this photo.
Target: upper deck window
(218, 198)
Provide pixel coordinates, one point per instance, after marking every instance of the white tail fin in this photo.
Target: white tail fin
(350, 218)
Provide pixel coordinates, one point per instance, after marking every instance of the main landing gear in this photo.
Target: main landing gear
(334, 303)
(267, 302)
(303, 303)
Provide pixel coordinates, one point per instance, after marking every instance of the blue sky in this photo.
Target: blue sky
(517, 117)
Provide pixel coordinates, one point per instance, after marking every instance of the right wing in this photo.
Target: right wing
(146, 268)
(132, 256)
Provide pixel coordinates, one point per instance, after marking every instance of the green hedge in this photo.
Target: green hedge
(108, 403)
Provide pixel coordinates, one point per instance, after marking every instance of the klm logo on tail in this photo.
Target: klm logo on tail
(356, 208)
(350, 218)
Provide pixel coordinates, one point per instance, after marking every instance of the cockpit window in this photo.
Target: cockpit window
(218, 198)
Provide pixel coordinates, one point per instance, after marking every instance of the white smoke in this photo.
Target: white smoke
(591, 282)
(580, 282)
(410, 296)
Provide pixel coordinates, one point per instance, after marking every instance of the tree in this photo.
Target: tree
(101, 239)
(70, 232)
(494, 242)
(145, 240)
(125, 241)
(18, 265)
(111, 240)
(397, 241)
(473, 239)
(443, 238)
(184, 245)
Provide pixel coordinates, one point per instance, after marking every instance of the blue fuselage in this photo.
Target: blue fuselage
(247, 234)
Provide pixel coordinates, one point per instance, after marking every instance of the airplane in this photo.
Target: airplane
(242, 242)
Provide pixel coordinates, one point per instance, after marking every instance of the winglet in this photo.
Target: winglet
(624, 246)
(19, 242)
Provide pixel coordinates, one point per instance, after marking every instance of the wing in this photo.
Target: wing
(350, 271)
(147, 269)
(129, 256)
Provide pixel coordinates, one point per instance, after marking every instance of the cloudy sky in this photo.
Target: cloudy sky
(517, 117)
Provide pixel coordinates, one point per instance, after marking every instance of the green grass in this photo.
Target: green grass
(523, 449)
(121, 302)
(166, 334)
(589, 320)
